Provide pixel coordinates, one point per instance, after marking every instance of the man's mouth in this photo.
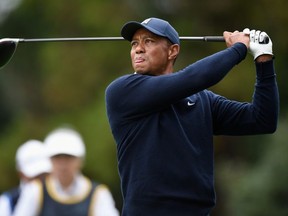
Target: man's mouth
(139, 60)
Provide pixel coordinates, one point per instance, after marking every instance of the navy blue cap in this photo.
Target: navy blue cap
(157, 26)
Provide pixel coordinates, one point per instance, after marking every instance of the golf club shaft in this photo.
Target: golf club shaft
(200, 38)
(9, 45)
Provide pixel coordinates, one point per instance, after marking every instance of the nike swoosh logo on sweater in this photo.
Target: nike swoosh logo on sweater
(189, 103)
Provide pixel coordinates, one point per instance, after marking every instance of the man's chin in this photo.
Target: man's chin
(146, 73)
(139, 71)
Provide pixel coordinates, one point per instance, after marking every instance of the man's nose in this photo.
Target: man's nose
(140, 48)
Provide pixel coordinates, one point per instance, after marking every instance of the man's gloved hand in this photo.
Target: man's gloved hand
(260, 43)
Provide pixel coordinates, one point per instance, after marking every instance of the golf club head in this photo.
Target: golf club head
(7, 49)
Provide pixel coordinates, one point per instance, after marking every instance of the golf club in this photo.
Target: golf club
(8, 45)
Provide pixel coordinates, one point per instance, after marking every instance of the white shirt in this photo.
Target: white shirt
(29, 203)
(5, 209)
(5, 206)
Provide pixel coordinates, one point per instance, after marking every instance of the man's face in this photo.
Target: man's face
(65, 167)
(150, 53)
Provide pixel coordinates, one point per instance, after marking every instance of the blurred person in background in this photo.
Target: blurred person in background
(32, 162)
(66, 191)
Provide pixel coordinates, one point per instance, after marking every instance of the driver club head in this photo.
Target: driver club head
(7, 50)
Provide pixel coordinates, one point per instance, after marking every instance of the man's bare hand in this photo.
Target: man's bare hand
(236, 37)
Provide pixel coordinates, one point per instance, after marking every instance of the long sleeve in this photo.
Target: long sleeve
(134, 95)
(29, 200)
(5, 209)
(103, 203)
(259, 116)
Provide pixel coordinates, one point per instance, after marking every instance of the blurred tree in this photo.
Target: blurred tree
(259, 189)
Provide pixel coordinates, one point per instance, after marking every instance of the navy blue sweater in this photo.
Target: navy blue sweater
(164, 127)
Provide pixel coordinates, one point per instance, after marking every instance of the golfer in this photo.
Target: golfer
(164, 121)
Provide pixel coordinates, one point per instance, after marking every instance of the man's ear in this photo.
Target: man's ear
(173, 51)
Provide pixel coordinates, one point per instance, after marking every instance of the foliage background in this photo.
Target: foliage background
(46, 85)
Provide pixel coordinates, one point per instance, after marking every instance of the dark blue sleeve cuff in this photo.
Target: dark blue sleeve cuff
(265, 69)
(241, 49)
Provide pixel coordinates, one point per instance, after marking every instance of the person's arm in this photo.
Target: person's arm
(102, 203)
(263, 58)
(140, 94)
(259, 116)
(30, 200)
(5, 207)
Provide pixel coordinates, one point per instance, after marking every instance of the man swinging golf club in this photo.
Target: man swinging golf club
(163, 122)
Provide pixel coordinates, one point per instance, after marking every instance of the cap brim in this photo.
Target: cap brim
(129, 29)
(65, 150)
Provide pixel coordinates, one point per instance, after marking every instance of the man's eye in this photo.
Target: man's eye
(148, 41)
(133, 43)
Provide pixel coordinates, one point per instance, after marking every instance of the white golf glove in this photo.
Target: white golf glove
(260, 43)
